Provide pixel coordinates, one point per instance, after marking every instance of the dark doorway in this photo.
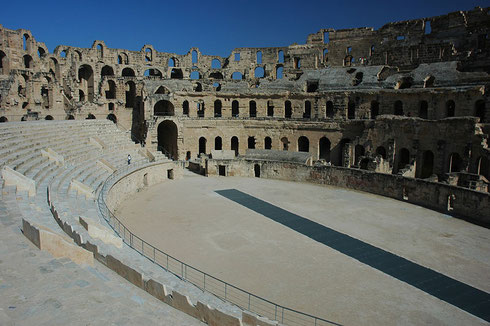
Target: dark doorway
(202, 145)
(167, 139)
(257, 170)
(222, 170)
(324, 149)
(234, 144)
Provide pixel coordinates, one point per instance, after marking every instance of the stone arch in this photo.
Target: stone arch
(107, 71)
(49, 117)
(403, 158)
(176, 73)
(90, 116)
(202, 145)
(288, 110)
(235, 144)
(163, 108)
(3, 63)
(359, 152)
(86, 81)
(218, 143)
(329, 112)
(152, 72)
(450, 108)
(424, 110)
(111, 92)
(130, 94)
(251, 142)
(427, 167)
(4, 119)
(351, 110)
(235, 109)
(167, 139)
(267, 143)
(307, 111)
(128, 72)
(285, 143)
(324, 148)
(455, 163)
(374, 111)
(381, 151)
(28, 62)
(252, 106)
(303, 144)
(217, 108)
(398, 108)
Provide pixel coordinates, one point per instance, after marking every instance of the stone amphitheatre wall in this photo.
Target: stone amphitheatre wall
(411, 96)
(465, 203)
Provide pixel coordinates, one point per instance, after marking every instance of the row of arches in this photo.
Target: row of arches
(330, 112)
(112, 117)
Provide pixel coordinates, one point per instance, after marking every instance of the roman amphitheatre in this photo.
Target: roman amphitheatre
(341, 181)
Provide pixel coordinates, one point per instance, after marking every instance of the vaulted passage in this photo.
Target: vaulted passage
(164, 108)
(167, 139)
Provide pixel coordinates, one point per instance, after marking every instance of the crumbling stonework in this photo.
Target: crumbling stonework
(410, 98)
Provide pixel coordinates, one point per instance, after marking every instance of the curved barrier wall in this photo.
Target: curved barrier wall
(120, 185)
(461, 202)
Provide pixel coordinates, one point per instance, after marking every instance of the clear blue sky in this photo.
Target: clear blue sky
(216, 27)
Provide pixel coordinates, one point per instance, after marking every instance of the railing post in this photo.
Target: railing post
(154, 254)
(225, 291)
(249, 301)
(204, 281)
(275, 312)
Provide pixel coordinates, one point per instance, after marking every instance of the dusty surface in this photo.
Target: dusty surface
(188, 220)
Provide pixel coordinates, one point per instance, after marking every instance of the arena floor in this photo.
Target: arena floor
(189, 220)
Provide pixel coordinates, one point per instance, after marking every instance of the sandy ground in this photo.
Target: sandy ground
(188, 220)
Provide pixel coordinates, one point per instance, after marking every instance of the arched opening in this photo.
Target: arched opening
(267, 143)
(259, 57)
(127, 72)
(351, 110)
(252, 109)
(148, 55)
(202, 145)
(130, 94)
(119, 60)
(280, 56)
(297, 63)
(303, 144)
(185, 108)
(200, 109)
(234, 145)
(100, 51)
(215, 64)
(324, 146)
(70, 117)
(176, 74)
(86, 79)
(358, 154)
(162, 90)
(259, 72)
(381, 151)
(195, 75)
(90, 117)
(25, 42)
(251, 142)
(285, 143)
(307, 112)
(257, 170)
(167, 139)
(450, 108)
(343, 152)
(107, 71)
(3, 63)
(279, 72)
(194, 56)
(398, 108)
(216, 75)
(41, 52)
(374, 109)
(164, 108)
(4, 119)
(480, 110)
(112, 117)
(218, 143)
(424, 110)
(49, 117)
(329, 110)
(237, 76)
(235, 109)
(171, 62)
(111, 92)
(155, 73)
(217, 109)
(288, 110)
(197, 87)
(403, 158)
(427, 164)
(364, 163)
(455, 163)
(27, 61)
(270, 108)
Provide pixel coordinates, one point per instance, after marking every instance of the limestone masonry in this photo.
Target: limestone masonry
(410, 98)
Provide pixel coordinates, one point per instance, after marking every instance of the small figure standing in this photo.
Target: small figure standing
(129, 159)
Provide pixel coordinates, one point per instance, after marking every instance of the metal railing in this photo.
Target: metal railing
(204, 281)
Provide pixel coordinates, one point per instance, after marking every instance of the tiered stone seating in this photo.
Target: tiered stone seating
(21, 145)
